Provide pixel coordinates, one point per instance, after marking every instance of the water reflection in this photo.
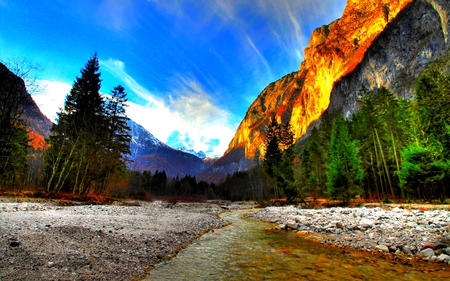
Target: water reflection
(245, 251)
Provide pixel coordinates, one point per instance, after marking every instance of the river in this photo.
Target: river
(244, 250)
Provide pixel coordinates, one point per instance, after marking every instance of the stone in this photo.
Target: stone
(443, 258)
(427, 253)
(291, 224)
(447, 250)
(366, 223)
(281, 227)
(406, 250)
(427, 246)
(382, 248)
(441, 245)
(14, 244)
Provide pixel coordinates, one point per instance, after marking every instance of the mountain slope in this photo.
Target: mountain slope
(38, 124)
(385, 43)
(150, 154)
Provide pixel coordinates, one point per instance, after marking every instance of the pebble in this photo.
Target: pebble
(382, 248)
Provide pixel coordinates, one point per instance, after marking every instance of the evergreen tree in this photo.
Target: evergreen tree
(278, 160)
(314, 158)
(90, 138)
(344, 171)
(425, 171)
(117, 144)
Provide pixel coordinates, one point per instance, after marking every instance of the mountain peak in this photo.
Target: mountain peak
(199, 154)
(375, 43)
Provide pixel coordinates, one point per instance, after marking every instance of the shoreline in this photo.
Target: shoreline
(44, 241)
(394, 232)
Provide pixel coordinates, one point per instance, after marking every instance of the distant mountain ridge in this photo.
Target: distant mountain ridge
(150, 154)
(199, 154)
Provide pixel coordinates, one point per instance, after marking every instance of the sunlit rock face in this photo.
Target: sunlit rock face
(333, 51)
(418, 36)
(373, 44)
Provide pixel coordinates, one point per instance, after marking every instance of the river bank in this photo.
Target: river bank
(44, 241)
(405, 232)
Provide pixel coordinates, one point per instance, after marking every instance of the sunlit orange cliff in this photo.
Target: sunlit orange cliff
(337, 56)
(333, 51)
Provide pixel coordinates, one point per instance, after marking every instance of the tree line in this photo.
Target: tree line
(391, 148)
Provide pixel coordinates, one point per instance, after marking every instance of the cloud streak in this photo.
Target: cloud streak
(254, 21)
(189, 111)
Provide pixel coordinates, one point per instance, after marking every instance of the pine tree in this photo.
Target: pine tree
(278, 160)
(344, 171)
(77, 138)
(117, 143)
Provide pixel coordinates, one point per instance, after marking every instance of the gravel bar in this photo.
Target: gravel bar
(411, 233)
(43, 241)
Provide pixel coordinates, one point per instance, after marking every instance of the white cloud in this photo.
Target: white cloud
(52, 98)
(189, 111)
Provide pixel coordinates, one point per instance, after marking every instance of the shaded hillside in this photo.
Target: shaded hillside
(386, 43)
(38, 124)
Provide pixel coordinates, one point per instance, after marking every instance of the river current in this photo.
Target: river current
(244, 250)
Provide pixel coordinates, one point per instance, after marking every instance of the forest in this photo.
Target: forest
(391, 149)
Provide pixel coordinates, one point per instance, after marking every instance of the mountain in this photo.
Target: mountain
(199, 154)
(150, 154)
(38, 124)
(374, 43)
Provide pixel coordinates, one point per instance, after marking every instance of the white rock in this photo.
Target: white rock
(382, 248)
(443, 258)
(366, 223)
(427, 252)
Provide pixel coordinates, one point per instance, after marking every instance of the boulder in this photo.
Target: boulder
(382, 248)
(427, 253)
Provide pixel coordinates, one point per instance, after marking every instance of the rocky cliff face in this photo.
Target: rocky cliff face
(418, 36)
(374, 43)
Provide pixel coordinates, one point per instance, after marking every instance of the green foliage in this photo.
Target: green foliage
(386, 200)
(344, 171)
(423, 174)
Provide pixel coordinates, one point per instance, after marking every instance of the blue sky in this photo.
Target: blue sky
(191, 68)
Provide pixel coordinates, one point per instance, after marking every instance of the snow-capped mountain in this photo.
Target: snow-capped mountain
(150, 154)
(199, 154)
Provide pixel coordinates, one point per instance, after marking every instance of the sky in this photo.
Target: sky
(191, 68)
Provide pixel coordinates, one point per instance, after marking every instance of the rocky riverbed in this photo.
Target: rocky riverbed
(44, 241)
(411, 233)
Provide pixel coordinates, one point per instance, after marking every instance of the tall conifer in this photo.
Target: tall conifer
(344, 171)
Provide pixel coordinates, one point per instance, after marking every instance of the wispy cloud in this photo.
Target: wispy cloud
(52, 98)
(189, 111)
(254, 21)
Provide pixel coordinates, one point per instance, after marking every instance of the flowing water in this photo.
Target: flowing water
(246, 251)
